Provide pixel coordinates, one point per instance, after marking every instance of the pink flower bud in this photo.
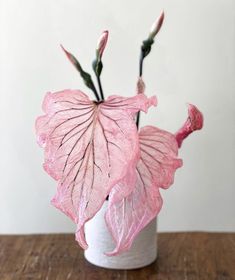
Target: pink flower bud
(71, 58)
(102, 43)
(156, 26)
(193, 122)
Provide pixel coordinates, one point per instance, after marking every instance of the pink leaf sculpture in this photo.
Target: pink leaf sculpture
(89, 147)
(193, 122)
(131, 209)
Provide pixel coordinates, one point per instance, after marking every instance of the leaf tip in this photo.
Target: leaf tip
(196, 117)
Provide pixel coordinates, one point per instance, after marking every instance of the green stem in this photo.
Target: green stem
(89, 83)
(96, 94)
(141, 64)
(145, 50)
(138, 120)
(100, 87)
(97, 66)
(140, 75)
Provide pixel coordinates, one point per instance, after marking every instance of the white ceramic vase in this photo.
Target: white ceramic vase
(142, 253)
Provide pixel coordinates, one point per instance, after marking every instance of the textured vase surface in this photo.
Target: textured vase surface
(142, 253)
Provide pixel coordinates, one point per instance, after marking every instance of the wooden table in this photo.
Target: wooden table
(201, 256)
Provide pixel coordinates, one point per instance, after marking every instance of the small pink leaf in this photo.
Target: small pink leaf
(193, 122)
(89, 147)
(132, 208)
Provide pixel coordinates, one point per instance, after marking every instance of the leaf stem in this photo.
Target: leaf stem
(140, 75)
(100, 87)
(141, 64)
(97, 66)
(96, 94)
(146, 49)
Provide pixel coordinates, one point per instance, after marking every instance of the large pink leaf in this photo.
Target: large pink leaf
(131, 209)
(193, 122)
(89, 147)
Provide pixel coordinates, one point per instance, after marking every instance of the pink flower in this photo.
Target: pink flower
(156, 26)
(102, 43)
(193, 122)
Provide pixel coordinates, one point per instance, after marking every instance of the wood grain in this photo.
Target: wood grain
(181, 256)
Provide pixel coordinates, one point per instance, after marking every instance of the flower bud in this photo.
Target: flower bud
(72, 59)
(102, 43)
(156, 26)
(85, 76)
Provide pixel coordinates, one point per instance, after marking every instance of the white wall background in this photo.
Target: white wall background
(193, 61)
